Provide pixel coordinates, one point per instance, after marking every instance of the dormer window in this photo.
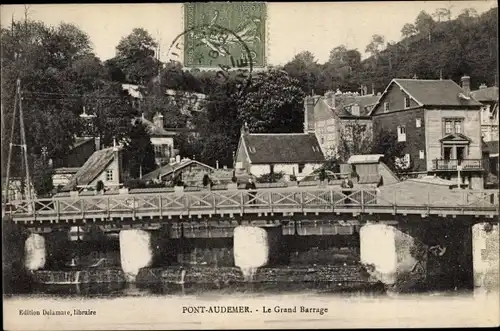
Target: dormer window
(251, 149)
(407, 102)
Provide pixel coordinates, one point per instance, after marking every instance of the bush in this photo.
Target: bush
(234, 179)
(270, 177)
(293, 178)
(207, 181)
(322, 174)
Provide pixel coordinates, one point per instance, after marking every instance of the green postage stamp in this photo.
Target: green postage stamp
(222, 33)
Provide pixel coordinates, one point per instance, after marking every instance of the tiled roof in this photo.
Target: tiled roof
(363, 101)
(435, 92)
(486, 94)
(170, 168)
(283, 148)
(95, 165)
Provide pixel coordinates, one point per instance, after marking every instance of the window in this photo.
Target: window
(401, 133)
(109, 175)
(453, 125)
(448, 128)
(418, 122)
(386, 107)
(421, 154)
(407, 102)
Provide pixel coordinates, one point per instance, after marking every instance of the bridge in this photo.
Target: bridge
(276, 202)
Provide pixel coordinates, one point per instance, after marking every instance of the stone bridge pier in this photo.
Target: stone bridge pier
(141, 248)
(436, 254)
(44, 249)
(256, 247)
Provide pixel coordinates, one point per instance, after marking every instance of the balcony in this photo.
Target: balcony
(452, 165)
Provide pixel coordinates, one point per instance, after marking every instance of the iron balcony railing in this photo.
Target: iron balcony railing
(455, 164)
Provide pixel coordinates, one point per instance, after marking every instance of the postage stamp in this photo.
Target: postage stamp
(219, 34)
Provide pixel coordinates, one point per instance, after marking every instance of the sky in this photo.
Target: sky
(317, 27)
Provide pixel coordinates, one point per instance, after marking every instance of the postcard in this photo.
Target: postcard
(237, 165)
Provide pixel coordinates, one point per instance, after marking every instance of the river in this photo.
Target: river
(269, 305)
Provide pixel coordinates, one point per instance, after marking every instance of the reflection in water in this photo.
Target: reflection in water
(173, 289)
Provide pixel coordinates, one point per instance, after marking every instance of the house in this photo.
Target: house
(439, 123)
(338, 117)
(488, 96)
(187, 101)
(191, 171)
(161, 139)
(291, 153)
(104, 165)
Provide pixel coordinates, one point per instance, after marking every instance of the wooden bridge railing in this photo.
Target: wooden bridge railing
(260, 201)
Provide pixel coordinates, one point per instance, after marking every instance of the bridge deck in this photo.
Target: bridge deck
(265, 201)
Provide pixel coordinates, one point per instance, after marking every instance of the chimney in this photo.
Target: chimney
(217, 164)
(158, 120)
(244, 129)
(466, 84)
(373, 88)
(143, 117)
(308, 114)
(178, 159)
(97, 142)
(330, 98)
(483, 86)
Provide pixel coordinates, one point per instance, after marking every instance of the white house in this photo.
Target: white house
(291, 153)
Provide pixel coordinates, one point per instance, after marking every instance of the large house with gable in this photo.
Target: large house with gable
(440, 124)
(295, 154)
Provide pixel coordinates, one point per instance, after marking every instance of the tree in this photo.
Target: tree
(408, 30)
(386, 143)
(375, 46)
(135, 56)
(139, 154)
(273, 103)
(425, 24)
(305, 69)
(355, 139)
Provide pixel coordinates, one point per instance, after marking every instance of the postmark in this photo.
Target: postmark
(220, 33)
(239, 67)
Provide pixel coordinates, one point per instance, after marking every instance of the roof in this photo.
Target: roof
(429, 92)
(92, 168)
(455, 137)
(345, 101)
(155, 130)
(172, 167)
(486, 94)
(365, 158)
(66, 170)
(270, 148)
(81, 141)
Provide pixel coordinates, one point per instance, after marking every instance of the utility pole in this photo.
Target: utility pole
(18, 104)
